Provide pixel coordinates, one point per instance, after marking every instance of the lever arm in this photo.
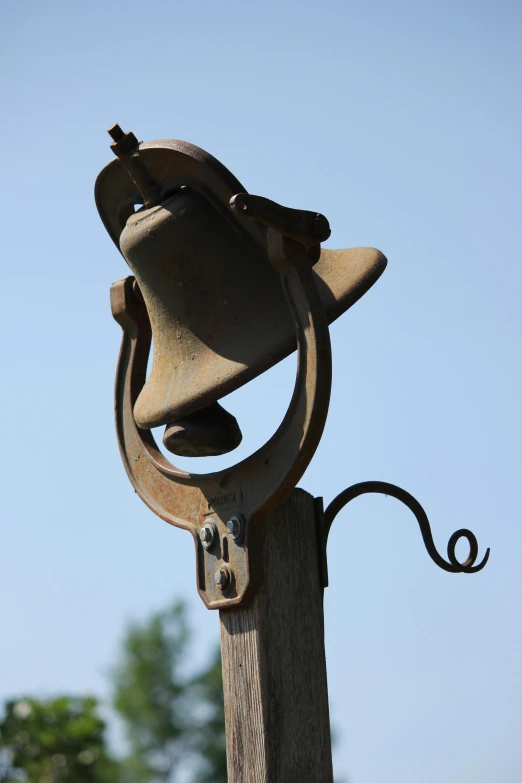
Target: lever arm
(307, 228)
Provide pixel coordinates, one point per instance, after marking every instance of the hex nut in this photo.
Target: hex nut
(236, 527)
(223, 578)
(207, 535)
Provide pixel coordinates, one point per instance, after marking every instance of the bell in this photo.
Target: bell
(216, 305)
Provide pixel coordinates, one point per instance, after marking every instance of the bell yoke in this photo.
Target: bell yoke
(226, 284)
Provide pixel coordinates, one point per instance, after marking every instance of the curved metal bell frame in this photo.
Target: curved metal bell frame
(250, 489)
(217, 309)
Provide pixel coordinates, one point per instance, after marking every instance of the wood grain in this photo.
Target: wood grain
(274, 670)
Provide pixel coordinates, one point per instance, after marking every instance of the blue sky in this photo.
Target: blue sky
(400, 122)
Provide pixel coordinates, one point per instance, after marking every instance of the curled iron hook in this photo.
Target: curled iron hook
(383, 488)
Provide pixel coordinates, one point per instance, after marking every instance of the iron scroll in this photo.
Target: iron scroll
(383, 488)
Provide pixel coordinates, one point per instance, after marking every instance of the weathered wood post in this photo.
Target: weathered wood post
(274, 668)
(227, 284)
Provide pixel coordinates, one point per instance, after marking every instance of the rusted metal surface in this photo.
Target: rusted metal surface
(383, 488)
(218, 311)
(227, 284)
(204, 433)
(308, 228)
(122, 143)
(126, 147)
(259, 483)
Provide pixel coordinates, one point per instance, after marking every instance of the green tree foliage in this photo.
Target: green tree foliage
(59, 740)
(174, 720)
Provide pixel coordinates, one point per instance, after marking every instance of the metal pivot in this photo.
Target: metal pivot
(383, 488)
(228, 560)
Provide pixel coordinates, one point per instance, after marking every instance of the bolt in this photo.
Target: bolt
(207, 535)
(115, 132)
(222, 578)
(236, 526)
(123, 144)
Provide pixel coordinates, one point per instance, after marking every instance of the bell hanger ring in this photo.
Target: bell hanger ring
(226, 284)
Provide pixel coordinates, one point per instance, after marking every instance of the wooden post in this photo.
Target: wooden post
(274, 669)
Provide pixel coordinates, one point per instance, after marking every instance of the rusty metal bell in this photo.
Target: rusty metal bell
(217, 309)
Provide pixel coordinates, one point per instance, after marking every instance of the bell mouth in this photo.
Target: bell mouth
(209, 432)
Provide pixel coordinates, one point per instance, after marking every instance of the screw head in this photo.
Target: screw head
(207, 535)
(236, 526)
(222, 578)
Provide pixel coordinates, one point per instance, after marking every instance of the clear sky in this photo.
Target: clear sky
(401, 122)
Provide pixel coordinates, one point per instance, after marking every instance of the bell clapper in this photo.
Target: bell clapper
(209, 432)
